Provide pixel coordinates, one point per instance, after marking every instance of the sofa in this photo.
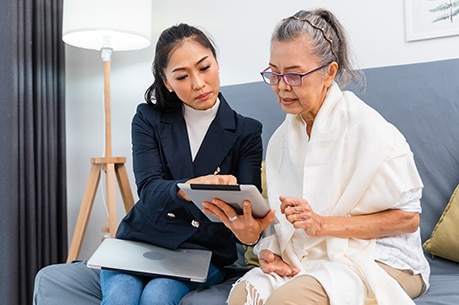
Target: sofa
(422, 100)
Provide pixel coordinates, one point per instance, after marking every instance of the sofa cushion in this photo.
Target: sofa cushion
(444, 281)
(444, 241)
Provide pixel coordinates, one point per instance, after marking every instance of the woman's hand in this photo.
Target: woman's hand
(300, 214)
(381, 224)
(208, 179)
(270, 262)
(246, 228)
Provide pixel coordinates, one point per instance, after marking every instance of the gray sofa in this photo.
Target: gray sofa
(422, 100)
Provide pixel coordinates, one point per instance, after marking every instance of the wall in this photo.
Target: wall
(241, 30)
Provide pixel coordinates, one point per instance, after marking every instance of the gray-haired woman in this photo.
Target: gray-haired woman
(343, 178)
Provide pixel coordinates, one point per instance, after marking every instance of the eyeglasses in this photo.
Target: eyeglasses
(290, 78)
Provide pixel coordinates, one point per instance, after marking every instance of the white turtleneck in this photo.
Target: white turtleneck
(197, 124)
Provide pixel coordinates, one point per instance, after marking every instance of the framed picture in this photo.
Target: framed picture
(427, 19)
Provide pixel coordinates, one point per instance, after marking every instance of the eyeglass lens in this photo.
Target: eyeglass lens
(291, 78)
(274, 78)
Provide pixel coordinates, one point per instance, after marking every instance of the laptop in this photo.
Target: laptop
(147, 259)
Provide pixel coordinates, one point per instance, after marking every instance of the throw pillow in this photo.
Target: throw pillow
(444, 242)
(251, 260)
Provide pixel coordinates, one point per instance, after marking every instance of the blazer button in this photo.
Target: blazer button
(195, 223)
(172, 215)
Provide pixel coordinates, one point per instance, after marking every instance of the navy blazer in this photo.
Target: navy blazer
(162, 158)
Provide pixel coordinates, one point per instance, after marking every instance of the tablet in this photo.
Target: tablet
(233, 194)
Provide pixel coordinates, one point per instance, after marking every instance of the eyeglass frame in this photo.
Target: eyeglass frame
(284, 75)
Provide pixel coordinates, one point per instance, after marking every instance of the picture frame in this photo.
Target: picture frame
(427, 19)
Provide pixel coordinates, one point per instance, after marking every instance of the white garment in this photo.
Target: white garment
(197, 124)
(404, 252)
(354, 163)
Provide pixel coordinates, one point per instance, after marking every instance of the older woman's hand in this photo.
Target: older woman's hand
(270, 262)
(299, 213)
(246, 228)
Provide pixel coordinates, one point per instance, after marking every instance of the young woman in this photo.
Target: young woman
(185, 132)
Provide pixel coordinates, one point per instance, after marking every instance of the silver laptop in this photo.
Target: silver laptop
(147, 259)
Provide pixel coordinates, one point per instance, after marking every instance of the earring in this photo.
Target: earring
(170, 90)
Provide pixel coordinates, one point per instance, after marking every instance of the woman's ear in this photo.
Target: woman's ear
(168, 86)
(333, 69)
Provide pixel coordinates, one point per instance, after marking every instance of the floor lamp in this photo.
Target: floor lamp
(106, 26)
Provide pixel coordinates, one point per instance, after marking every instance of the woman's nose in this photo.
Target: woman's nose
(197, 82)
(282, 84)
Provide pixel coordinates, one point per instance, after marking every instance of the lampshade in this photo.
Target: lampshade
(107, 24)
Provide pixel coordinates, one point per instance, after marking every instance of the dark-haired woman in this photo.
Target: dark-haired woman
(185, 132)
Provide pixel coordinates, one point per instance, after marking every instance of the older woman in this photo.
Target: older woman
(343, 178)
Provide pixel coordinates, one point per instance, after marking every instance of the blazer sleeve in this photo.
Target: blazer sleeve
(155, 185)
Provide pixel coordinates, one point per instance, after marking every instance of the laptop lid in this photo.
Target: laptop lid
(147, 259)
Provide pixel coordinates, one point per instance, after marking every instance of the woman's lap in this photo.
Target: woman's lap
(304, 287)
(127, 289)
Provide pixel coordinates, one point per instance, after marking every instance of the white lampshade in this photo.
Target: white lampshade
(107, 24)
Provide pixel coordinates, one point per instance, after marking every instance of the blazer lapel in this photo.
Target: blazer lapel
(216, 145)
(218, 141)
(175, 145)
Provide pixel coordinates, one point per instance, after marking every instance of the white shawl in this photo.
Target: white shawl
(355, 162)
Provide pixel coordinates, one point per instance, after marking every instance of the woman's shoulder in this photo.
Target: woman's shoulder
(368, 124)
(252, 122)
(248, 125)
(146, 114)
(241, 119)
(150, 113)
(145, 108)
(361, 115)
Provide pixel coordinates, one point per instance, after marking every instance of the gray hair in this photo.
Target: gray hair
(329, 41)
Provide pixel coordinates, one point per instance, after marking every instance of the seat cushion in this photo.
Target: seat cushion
(69, 284)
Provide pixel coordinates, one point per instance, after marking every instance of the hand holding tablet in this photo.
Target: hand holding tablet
(233, 194)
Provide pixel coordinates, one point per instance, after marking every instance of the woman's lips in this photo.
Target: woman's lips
(203, 96)
(287, 101)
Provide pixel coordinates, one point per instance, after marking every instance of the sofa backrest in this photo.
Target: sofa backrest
(422, 100)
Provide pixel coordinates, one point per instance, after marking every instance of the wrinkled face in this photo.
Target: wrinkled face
(295, 56)
(192, 73)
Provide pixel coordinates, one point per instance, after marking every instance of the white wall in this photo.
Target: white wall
(242, 31)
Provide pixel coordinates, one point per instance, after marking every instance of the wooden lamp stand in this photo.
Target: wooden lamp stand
(112, 166)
